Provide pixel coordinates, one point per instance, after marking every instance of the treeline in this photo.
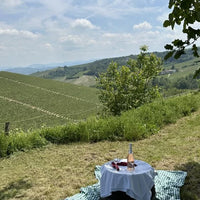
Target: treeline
(132, 125)
(64, 71)
(181, 83)
(91, 69)
(99, 66)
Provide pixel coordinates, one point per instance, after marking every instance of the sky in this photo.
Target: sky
(56, 31)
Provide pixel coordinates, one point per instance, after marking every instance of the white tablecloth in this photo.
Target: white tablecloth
(137, 184)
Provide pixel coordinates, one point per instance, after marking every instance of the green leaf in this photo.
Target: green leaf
(197, 73)
(168, 47)
(172, 24)
(166, 23)
(197, 16)
(178, 21)
(191, 33)
(178, 43)
(171, 16)
(176, 12)
(171, 3)
(169, 55)
(186, 4)
(190, 19)
(194, 47)
(179, 53)
(195, 50)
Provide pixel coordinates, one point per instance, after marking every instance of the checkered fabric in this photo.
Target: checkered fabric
(167, 186)
(168, 183)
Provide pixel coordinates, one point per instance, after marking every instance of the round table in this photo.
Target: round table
(137, 183)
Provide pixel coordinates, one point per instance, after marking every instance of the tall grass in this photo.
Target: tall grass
(131, 125)
(20, 142)
(148, 119)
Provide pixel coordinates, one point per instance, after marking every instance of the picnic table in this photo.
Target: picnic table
(136, 184)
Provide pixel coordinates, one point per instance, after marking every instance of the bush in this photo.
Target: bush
(109, 128)
(149, 118)
(20, 142)
(24, 141)
(64, 134)
(131, 125)
(3, 145)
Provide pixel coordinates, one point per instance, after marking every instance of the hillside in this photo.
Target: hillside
(30, 102)
(88, 71)
(52, 172)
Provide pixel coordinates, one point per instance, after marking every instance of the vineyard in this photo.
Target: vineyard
(30, 102)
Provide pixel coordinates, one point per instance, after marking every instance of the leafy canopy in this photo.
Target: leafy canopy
(126, 87)
(187, 14)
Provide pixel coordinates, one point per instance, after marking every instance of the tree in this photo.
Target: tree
(126, 87)
(185, 13)
(187, 83)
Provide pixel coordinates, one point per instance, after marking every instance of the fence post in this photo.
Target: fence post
(7, 124)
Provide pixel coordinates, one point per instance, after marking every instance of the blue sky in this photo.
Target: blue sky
(56, 31)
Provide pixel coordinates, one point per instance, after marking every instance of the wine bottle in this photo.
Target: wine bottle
(130, 159)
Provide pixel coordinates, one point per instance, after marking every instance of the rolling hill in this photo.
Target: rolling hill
(85, 74)
(29, 102)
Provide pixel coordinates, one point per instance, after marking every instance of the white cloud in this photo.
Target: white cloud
(119, 36)
(72, 38)
(67, 30)
(48, 46)
(83, 23)
(164, 16)
(78, 40)
(28, 34)
(110, 35)
(56, 7)
(143, 26)
(16, 32)
(10, 3)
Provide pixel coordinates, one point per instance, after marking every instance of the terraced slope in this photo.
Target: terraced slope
(30, 102)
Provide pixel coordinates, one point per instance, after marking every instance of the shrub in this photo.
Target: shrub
(131, 125)
(3, 145)
(64, 134)
(109, 128)
(149, 118)
(24, 141)
(20, 142)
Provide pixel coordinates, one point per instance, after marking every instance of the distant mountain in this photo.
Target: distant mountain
(38, 67)
(28, 70)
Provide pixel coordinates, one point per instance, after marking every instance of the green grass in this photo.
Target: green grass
(131, 125)
(30, 102)
(52, 172)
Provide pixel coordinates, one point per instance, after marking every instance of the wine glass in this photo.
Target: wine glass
(116, 160)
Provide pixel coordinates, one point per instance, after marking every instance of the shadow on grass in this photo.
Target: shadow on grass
(191, 188)
(13, 189)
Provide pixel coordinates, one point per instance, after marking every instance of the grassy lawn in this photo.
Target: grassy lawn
(57, 171)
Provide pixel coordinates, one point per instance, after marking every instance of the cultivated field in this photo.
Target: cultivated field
(29, 102)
